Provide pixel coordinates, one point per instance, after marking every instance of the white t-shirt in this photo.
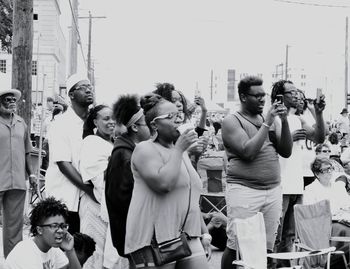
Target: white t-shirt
(65, 140)
(335, 193)
(27, 255)
(292, 168)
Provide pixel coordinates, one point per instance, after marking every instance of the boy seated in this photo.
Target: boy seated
(51, 246)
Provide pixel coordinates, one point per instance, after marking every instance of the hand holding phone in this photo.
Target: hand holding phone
(279, 98)
(318, 95)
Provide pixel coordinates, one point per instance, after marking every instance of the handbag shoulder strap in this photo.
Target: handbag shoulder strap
(189, 196)
(189, 201)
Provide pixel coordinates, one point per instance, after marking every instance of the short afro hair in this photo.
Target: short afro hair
(125, 107)
(248, 81)
(44, 209)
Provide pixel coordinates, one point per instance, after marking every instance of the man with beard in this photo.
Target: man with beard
(63, 181)
(253, 172)
(292, 168)
(15, 147)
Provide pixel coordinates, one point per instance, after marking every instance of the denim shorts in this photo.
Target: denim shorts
(243, 202)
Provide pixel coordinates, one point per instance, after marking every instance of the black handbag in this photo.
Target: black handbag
(174, 249)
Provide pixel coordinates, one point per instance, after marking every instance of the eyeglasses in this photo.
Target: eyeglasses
(9, 99)
(326, 151)
(326, 170)
(83, 88)
(258, 96)
(168, 116)
(56, 226)
(292, 93)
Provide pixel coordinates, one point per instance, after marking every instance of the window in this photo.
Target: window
(34, 68)
(3, 66)
(303, 76)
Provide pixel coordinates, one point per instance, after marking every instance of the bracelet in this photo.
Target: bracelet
(207, 236)
(32, 175)
(268, 126)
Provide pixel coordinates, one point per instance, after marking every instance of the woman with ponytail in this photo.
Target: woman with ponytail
(96, 150)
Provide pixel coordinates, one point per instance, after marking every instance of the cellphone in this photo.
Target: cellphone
(279, 98)
(318, 94)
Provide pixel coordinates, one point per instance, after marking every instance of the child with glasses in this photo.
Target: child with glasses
(51, 245)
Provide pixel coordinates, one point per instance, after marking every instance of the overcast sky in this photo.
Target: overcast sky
(141, 42)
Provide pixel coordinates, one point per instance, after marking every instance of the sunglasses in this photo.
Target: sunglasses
(168, 116)
(326, 170)
(259, 96)
(9, 99)
(83, 88)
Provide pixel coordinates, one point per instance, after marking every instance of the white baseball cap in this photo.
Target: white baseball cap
(74, 79)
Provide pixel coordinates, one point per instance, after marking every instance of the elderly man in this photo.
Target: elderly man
(63, 181)
(253, 171)
(15, 147)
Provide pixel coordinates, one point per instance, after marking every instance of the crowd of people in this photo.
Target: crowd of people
(121, 180)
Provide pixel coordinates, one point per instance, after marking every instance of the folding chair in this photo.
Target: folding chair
(251, 242)
(38, 193)
(313, 227)
(211, 171)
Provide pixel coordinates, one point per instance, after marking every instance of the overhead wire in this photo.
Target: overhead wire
(77, 30)
(311, 4)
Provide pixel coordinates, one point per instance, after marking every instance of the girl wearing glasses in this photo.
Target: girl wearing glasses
(163, 177)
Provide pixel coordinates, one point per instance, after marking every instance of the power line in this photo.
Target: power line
(76, 28)
(311, 4)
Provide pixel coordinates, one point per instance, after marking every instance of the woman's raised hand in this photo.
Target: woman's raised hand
(186, 139)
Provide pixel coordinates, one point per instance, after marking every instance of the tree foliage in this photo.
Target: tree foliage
(6, 11)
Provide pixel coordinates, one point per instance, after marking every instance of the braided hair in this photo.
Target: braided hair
(278, 88)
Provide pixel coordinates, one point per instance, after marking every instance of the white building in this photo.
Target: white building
(49, 50)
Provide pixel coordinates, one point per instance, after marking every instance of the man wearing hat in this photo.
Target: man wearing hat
(63, 180)
(343, 126)
(15, 147)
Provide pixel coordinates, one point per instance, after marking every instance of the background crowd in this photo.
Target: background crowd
(126, 178)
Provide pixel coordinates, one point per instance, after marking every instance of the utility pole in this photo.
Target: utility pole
(89, 67)
(286, 73)
(22, 51)
(73, 58)
(211, 85)
(346, 62)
